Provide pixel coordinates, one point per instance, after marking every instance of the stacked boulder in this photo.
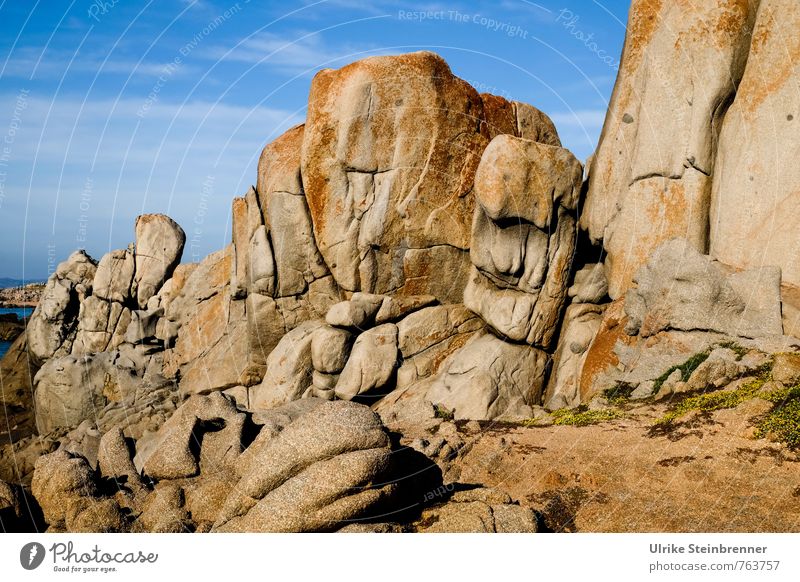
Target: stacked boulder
(92, 340)
(523, 241)
(212, 466)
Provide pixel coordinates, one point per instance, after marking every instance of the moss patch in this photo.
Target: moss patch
(619, 394)
(783, 421)
(714, 400)
(686, 369)
(440, 411)
(737, 349)
(582, 416)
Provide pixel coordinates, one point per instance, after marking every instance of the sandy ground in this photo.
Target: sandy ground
(705, 474)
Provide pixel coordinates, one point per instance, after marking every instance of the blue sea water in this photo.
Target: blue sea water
(21, 313)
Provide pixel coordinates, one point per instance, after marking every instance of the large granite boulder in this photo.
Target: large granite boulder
(523, 238)
(490, 379)
(159, 246)
(323, 470)
(680, 289)
(53, 324)
(755, 200)
(650, 179)
(211, 349)
(389, 155)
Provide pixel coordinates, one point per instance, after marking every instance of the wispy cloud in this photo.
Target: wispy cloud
(46, 63)
(588, 119)
(293, 53)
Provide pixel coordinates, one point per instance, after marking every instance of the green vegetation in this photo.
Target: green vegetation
(582, 416)
(783, 421)
(619, 394)
(686, 369)
(715, 400)
(440, 411)
(737, 349)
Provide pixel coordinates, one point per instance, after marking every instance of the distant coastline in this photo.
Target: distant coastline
(21, 296)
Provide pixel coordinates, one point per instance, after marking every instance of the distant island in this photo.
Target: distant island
(16, 293)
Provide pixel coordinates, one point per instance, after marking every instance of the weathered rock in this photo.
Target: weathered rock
(372, 362)
(490, 379)
(17, 370)
(287, 216)
(786, 368)
(53, 324)
(115, 462)
(143, 326)
(681, 289)
(477, 511)
(159, 246)
(260, 263)
(523, 237)
(59, 479)
(580, 326)
(83, 441)
(211, 351)
(357, 313)
(289, 368)
(68, 391)
(102, 325)
(272, 422)
(89, 515)
(321, 471)
(427, 327)
(720, 368)
(650, 178)
(756, 190)
(250, 265)
(205, 433)
(590, 285)
(384, 171)
(165, 510)
(394, 309)
(330, 348)
(114, 277)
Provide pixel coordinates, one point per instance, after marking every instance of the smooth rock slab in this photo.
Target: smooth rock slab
(322, 470)
(372, 363)
(490, 379)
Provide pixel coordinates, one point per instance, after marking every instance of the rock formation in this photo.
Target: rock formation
(650, 179)
(754, 198)
(425, 258)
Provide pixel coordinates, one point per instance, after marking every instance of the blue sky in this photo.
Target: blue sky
(111, 108)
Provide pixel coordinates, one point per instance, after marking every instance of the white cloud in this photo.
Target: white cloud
(293, 54)
(46, 63)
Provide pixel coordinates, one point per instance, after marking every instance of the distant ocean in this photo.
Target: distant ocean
(21, 312)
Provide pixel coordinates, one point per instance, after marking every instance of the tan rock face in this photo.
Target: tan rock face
(523, 237)
(649, 180)
(277, 266)
(159, 246)
(756, 193)
(211, 349)
(286, 214)
(389, 156)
